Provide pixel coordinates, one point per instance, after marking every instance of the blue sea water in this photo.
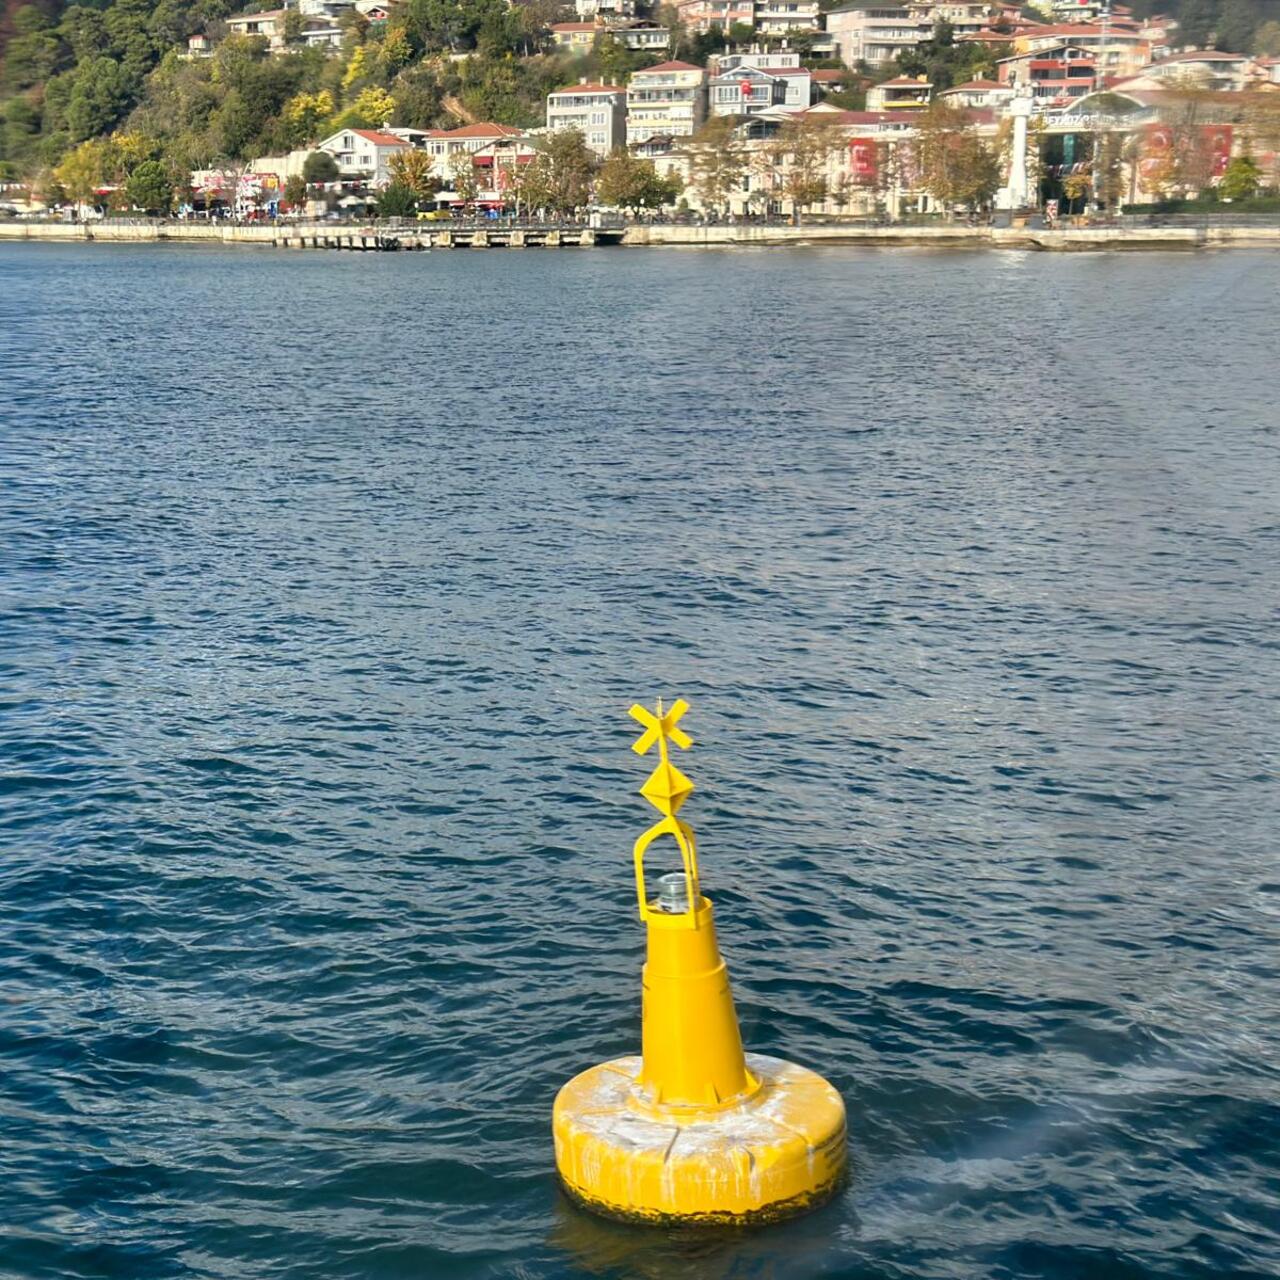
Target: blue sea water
(325, 583)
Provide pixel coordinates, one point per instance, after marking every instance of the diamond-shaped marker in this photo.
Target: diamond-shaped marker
(667, 788)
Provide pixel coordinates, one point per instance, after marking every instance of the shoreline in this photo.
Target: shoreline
(322, 236)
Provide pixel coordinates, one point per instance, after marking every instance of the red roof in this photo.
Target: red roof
(589, 88)
(824, 74)
(380, 139)
(902, 81)
(669, 66)
(478, 131)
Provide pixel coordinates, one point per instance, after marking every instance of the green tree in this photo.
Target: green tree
(1237, 22)
(1241, 180)
(83, 171)
(33, 50)
(305, 112)
(295, 190)
(414, 170)
(1196, 21)
(149, 188)
(567, 168)
(1266, 40)
(319, 167)
(99, 96)
(631, 183)
(373, 107)
(397, 201)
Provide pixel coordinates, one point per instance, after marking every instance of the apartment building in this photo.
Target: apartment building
(597, 111)
(670, 98)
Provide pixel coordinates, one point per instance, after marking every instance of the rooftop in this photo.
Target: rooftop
(380, 139)
(668, 66)
(588, 88)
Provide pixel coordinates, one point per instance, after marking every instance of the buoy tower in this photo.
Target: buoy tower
(694, 1129)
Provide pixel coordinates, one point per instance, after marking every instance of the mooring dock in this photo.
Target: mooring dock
(448, 237)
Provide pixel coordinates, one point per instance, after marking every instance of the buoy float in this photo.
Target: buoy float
(694, 1129)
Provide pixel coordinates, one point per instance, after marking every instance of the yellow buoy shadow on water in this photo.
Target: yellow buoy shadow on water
(694, 1129)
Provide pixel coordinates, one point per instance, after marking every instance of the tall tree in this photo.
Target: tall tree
(149, 188)
(717, 162)
(955, 165)
(414, 170)
(631, 183)
(803, 151)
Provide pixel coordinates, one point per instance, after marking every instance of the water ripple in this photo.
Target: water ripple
(325, 582)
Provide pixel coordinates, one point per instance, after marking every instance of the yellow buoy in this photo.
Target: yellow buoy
(693, 1130)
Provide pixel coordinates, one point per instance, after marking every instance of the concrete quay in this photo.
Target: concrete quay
(370, 238)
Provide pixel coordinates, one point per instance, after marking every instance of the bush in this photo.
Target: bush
(397, 201)
(319, 166)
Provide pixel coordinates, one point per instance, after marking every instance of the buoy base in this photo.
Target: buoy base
(777, 1153)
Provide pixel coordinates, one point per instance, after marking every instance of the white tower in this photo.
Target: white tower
(1015, 195)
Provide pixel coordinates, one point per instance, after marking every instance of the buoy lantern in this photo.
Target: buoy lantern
(694, 1129)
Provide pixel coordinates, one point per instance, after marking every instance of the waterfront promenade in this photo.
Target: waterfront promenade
(367, 236)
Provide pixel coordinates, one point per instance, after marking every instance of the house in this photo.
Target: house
(199, 45)
(876, 31)
(597, 111)
(1268, 70)
(442, 145)
(1058, 73)
(322, 35)
(1115, 51)
(496, 166)
(699, 16)
(669, 98)
(903, 93)
(588, 9)
(330, 9)
(577, 37)
(827, 80)
(978, 93)
(269, 24)
(1205, 68)
(747, 90)
(1065, 11)
(364, 156)
(786, 17)
(641, 37)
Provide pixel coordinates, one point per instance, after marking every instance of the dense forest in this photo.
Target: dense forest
(72, 74)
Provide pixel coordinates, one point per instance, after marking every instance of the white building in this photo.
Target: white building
(364, 155)
(597, 111)
(748, 89)
(588, 9)
(269, 24)
(670, 98)
(979, 93)
(785, 17)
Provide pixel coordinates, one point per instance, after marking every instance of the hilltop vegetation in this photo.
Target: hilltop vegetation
(79, 74)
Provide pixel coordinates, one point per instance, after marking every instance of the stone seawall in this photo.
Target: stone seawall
(335, 236)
